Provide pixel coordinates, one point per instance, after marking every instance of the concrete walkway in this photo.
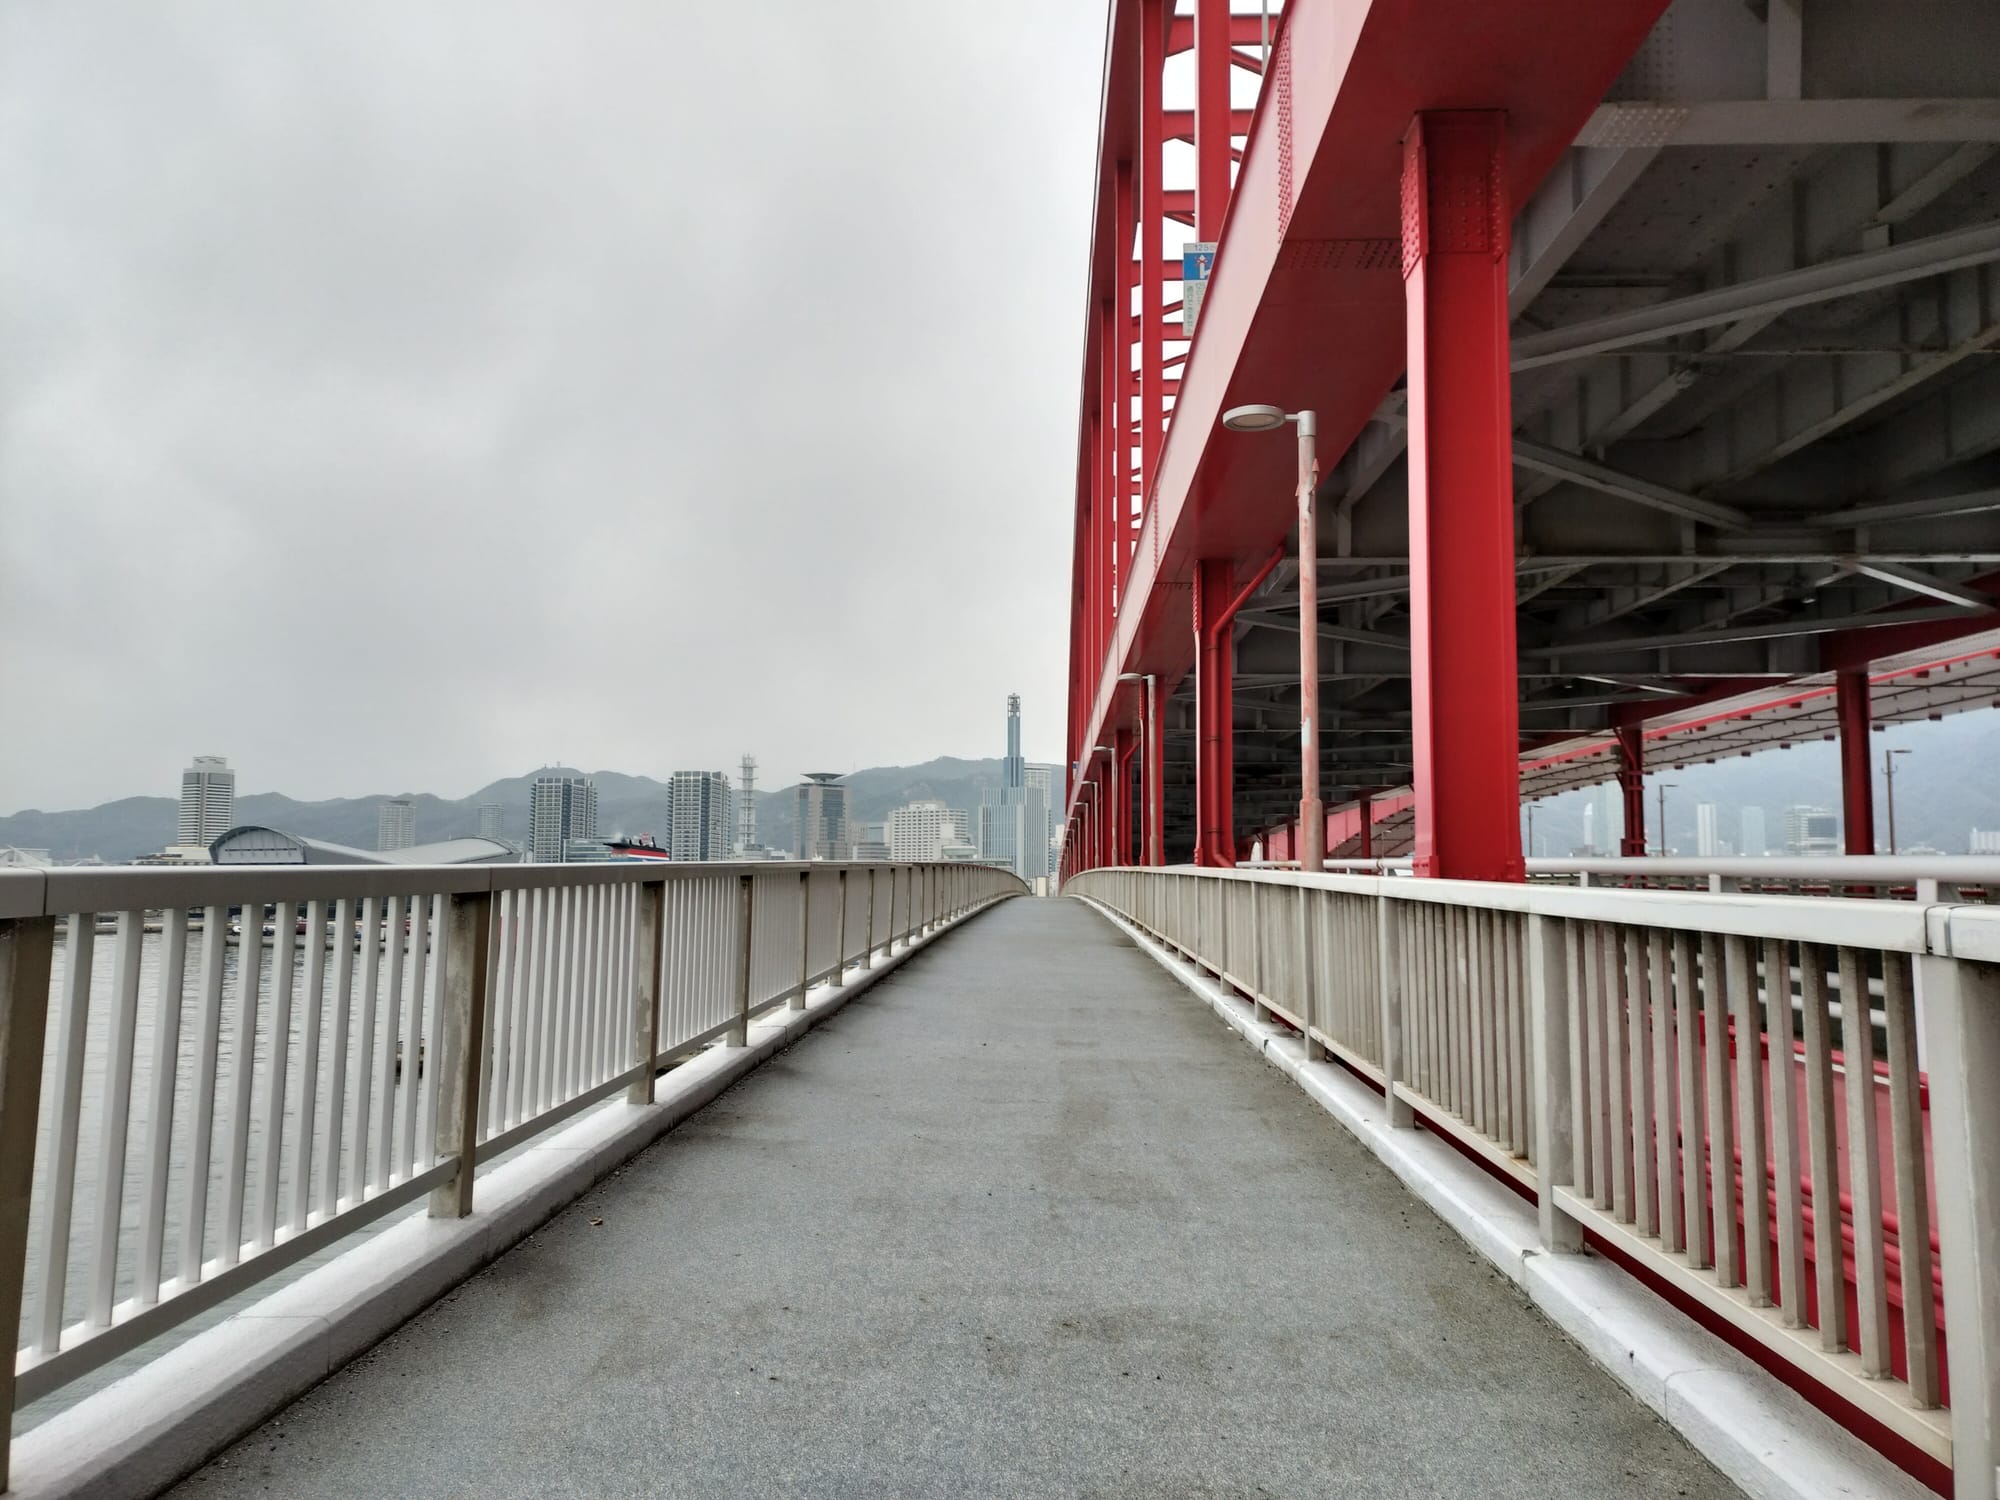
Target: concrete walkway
(1025, 1220)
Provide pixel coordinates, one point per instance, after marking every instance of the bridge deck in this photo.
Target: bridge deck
(1024, 1220)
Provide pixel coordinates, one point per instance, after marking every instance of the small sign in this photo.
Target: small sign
(1196, 258)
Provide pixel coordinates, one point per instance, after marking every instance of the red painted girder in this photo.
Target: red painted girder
(1323, 327)
(1180, 126)
(1244, 31)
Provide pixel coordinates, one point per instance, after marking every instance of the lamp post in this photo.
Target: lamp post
(1312, 812)
(1662, 788)
(1889, 790)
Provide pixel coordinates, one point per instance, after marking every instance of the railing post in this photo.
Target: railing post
(805, 938)
(461, 1045)
(1389, 972)
(739, 1034)
(868, 958)
(1549, 1083)
(839, 980)
(1308, 990)
(1962, 1024)
(26, 947)
(650, 956)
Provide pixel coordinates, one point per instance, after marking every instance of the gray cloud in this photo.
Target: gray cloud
(398, 396)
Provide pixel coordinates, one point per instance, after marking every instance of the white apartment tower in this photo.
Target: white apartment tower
(208, 801)
(396, 824)
(561, 810)
(1707, 843)
(491, 819)
(920, 830)
(700, 815)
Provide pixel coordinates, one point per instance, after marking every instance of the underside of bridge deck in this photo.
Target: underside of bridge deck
(1024, 1220)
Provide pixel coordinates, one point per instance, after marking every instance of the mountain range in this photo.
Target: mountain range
(121, 830)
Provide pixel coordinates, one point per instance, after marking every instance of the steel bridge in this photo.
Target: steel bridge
(1649, 351)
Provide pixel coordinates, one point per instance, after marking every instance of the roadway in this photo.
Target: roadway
(1025, 1220)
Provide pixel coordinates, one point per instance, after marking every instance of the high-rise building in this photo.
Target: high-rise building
(208, 801)
(1811, 830)
(396, 824)
(562, 811)
(1706, 843)
(1984, 841)
(1750, 831)
(871, 841)
(1048, 781)
(920, 831)
(746, 806)
(1014, 820)
(1603, 820)
(819, 828)
(700, 814)
(492, 819)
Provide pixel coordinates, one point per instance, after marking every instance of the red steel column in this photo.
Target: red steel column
(1632, 791)
(1153, 17)
(1365, 802)
(1211, 117)
(1110, 386)
(1153, 779)
(1463, 671)
(1857, 772)
(1124, 381)
(1125, 748)
(1214, 760)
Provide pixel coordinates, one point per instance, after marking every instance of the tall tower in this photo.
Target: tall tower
(208, 801)
(746, 808)
(1012, 768)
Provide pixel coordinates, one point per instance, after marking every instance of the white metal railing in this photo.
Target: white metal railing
(1787, 1108)
(273, 1057)
(1929, 878)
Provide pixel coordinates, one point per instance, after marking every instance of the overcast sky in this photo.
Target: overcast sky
(401, 396)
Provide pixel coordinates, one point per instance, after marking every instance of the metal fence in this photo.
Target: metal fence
(1965, 878)
(207, 1075)
(1785, 1108)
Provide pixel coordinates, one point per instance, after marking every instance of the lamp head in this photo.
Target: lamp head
(1254, 418)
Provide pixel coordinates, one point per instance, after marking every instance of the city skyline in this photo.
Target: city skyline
(315, 395)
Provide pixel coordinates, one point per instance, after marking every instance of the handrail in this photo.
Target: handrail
(244, 1092)
(1631, 1058)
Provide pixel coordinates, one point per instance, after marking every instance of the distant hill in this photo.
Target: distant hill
(133, 826)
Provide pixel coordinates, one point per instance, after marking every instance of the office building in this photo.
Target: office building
(1014, 820)
(1750, 830)
(871, 841)
(701, 815)
(922, 830)
(1811, 830)
(746, 805)
(1706, 844)
(208, 801)
(1984, 841)
(819, 827)
(1048, 781)
(562, 811)
(492, 820)
(1603, 821)
(395, 825)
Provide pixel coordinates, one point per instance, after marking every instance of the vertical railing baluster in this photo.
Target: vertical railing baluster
(1721, 1119)
(1786, 1170)
(345, 937)
(1864, 1166)
(208, 1041)
(746, 903)
(283, 956)
(1666, 1147)
(159, 1104)
(1906, 1154)
(27, 951)
(1575, 938)
(1554, 1056)
(396, 923)
(1828, 1251)
(1752, 1267)
(242, 1075)
(310, 1025)
(364, 1049)
(1618, 1072)
(79, 949)
(115, 1118)
(649, 961)
(1696, 1127)
(798, 1001)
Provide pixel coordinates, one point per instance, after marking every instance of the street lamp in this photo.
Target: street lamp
(1312, 813)
(1662, 788)
(1889, 790)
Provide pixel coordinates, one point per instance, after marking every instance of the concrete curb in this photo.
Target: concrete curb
(145, 1431)
(1763, 1436)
